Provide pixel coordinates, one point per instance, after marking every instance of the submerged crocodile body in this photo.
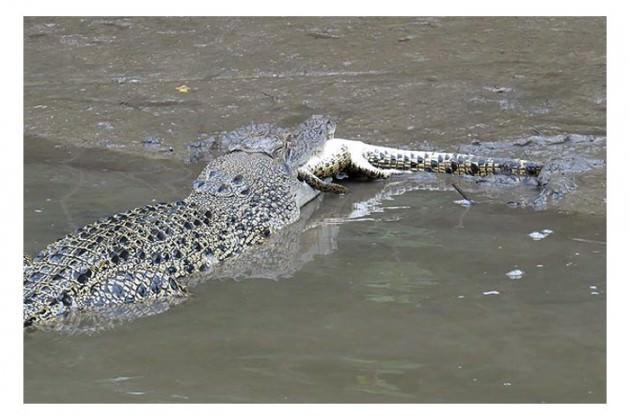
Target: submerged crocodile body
(144, 255)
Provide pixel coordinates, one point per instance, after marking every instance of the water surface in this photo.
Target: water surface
(390, 297)
(391, 293)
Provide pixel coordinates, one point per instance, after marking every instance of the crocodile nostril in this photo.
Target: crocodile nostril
(237, 179)
(223, 188)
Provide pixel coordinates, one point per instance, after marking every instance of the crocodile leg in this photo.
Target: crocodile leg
(336, 157)
(333, 159)
(319, 184)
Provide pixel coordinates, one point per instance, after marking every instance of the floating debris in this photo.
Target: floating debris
(539, 235)
(136, 393)
(183, 89)
(493, 292)
(536, 235)
(463, 202)
(466, 202)
(515, 274)
(121, 379)
(498, 89)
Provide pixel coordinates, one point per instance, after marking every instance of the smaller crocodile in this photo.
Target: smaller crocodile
(357, 158)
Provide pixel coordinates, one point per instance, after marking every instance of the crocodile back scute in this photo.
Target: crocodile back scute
(142, 255)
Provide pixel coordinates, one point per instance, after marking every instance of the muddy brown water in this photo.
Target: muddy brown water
(391, 293)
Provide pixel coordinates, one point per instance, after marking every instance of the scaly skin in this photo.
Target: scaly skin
(140, 256)
(373, 162)
(143, 256)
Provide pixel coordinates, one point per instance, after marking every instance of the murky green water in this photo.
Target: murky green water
(392, 293)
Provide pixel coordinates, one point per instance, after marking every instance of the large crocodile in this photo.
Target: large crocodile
(144, 256)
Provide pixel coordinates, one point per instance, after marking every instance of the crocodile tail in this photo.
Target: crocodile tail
(453, 163)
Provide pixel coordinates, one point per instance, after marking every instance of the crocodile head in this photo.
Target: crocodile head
(307, 140)
(290, 148)
(293, 147)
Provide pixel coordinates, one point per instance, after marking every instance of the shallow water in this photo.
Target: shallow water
(402, 296)
(392, 293)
